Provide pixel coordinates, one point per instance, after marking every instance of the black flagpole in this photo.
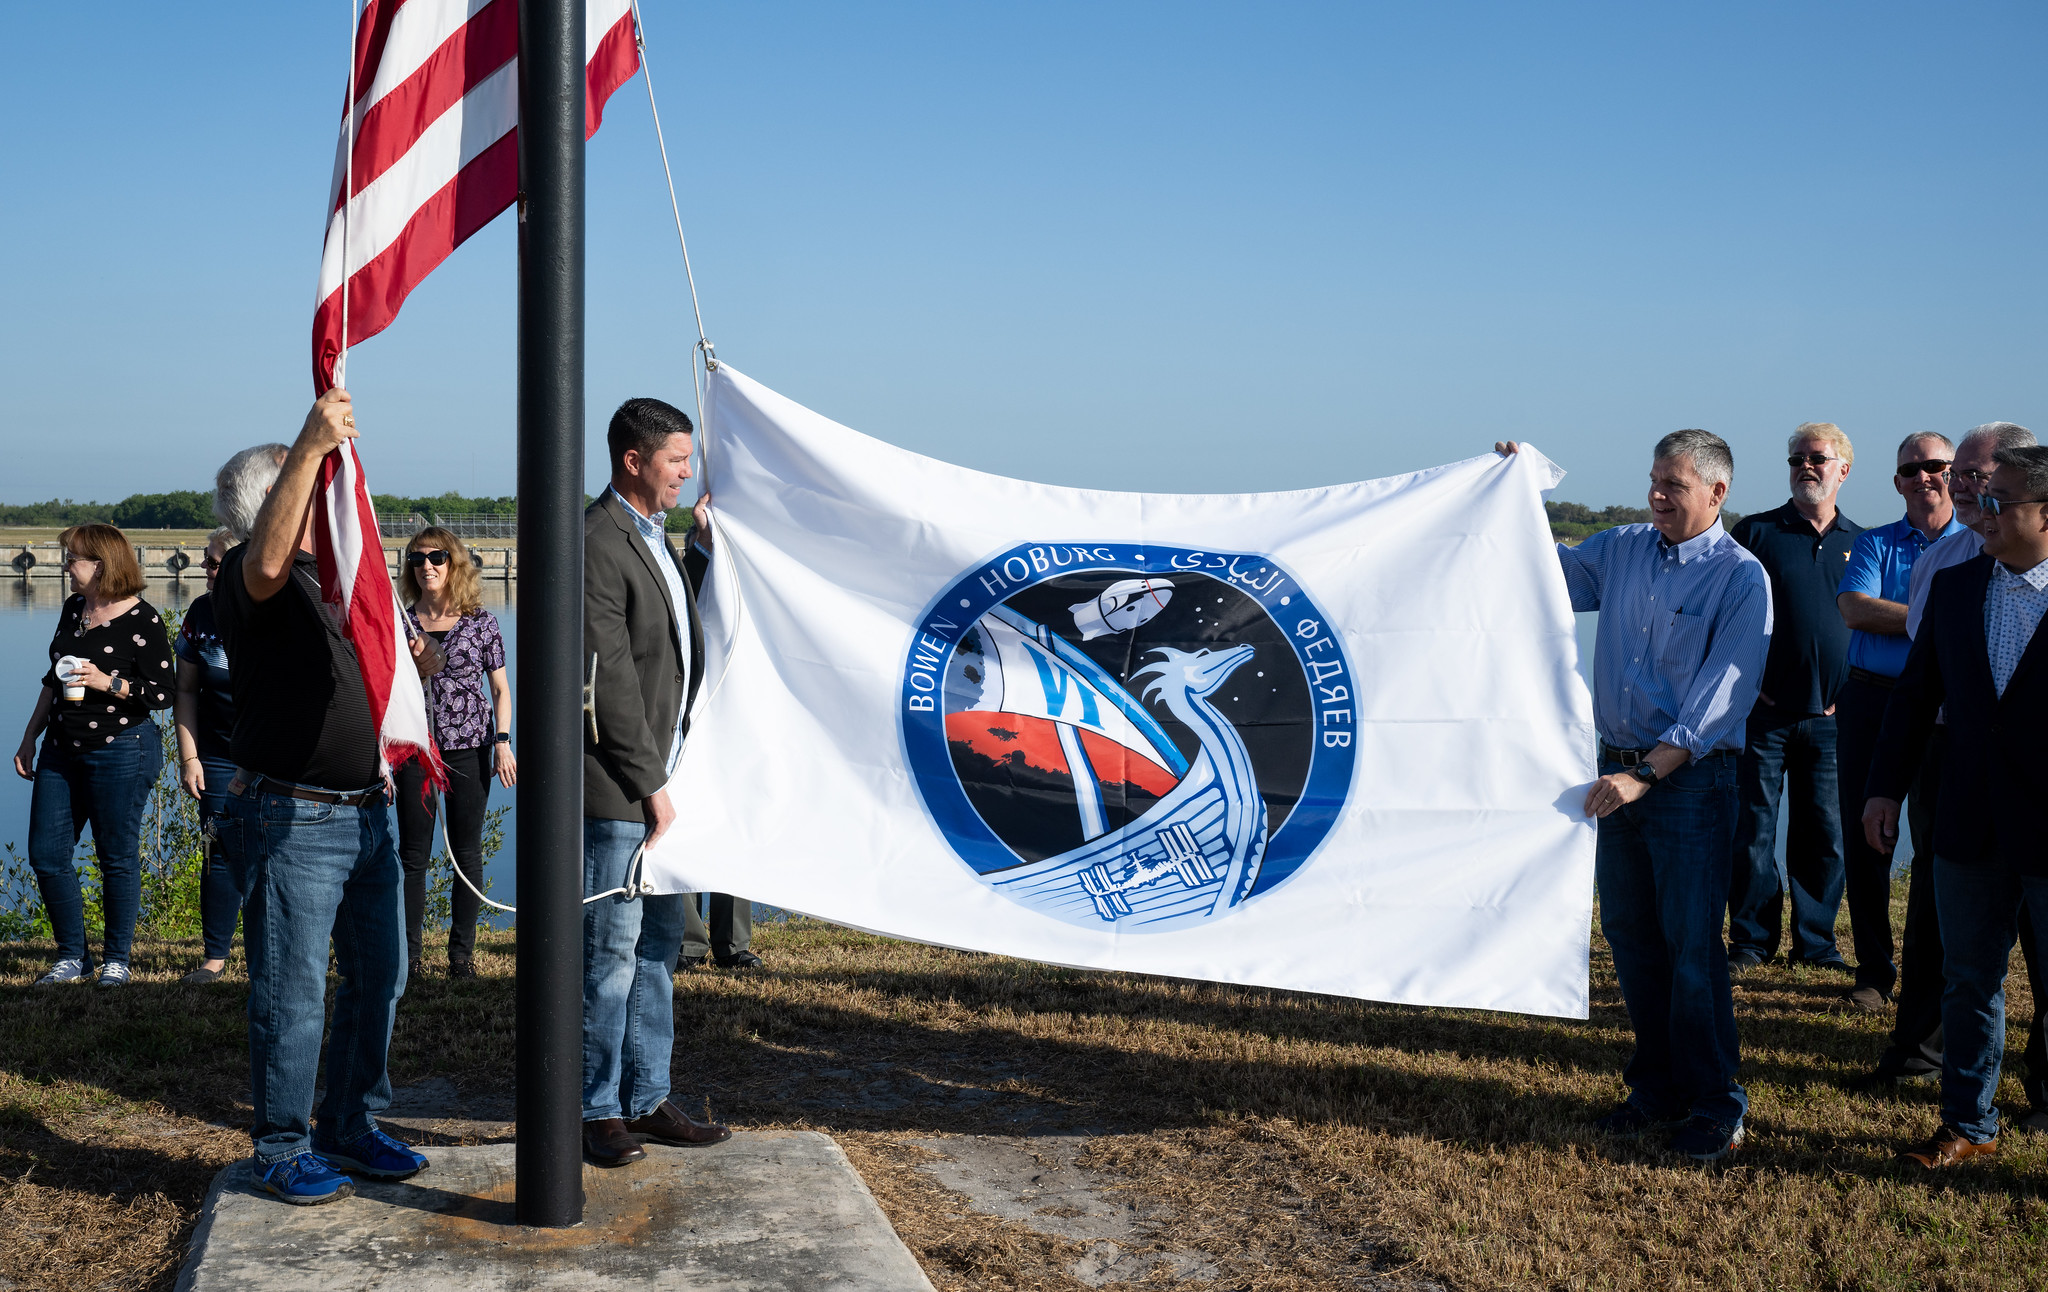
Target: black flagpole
(550, 857)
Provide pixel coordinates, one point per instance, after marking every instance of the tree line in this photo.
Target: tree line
(192, 509)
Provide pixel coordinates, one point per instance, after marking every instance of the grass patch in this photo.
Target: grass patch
(1304, 1142)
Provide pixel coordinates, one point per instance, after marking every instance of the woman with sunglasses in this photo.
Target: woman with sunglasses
(470, 705)
(101, 752)
(204, 714)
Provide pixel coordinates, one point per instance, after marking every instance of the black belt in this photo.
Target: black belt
(351, 798)
(1633, 757)
(1877, 680)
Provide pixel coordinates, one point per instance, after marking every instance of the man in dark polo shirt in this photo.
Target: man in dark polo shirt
(1788, 755)
(308, 837)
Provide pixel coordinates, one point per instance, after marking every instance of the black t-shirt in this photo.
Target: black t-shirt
(132, 645)
(199, 647)
(300, 710)
(1809, 657)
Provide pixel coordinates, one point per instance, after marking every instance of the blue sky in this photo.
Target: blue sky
(1147, 246)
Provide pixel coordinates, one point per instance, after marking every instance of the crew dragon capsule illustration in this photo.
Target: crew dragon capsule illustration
(1121, 607)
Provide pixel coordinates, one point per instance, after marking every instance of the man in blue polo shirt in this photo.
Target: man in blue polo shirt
(1789, 754)
(1873, 600)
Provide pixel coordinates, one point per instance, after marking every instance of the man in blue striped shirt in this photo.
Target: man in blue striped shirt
(1685, 624)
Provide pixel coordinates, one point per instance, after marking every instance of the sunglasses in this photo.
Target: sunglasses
(439, 556)
(1932, 466)
(1809, 460)
(1991, 506)
(208, 564)
(71, 559)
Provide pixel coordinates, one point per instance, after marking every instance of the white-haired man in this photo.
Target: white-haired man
(1788, 759)
(1685, 626)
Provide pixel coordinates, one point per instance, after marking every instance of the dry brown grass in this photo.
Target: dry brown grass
(1303, 1142)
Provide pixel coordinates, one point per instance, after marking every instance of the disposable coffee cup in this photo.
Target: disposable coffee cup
(68, 672)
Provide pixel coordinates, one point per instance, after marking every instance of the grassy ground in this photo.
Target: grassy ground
(1304, 1142)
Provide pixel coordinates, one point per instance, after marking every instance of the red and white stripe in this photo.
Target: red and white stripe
(435, 147)
(350, 552)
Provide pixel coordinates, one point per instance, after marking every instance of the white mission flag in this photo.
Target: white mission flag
(1330, 740)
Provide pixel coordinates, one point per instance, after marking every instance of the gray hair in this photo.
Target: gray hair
(2003, 435)
(1918, 436)
(221, 535)
(1708, 452)
(2030, 461)
(239, 487)
(1827, 433)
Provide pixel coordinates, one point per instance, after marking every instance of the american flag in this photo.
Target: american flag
(435, 147)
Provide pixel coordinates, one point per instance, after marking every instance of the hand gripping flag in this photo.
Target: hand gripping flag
(350, 553)
(435, 149)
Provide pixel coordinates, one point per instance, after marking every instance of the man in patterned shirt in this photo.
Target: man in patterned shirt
(1978, 653)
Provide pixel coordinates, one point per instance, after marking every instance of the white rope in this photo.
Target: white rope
(704, 351)
(348, 189)
(632, 890)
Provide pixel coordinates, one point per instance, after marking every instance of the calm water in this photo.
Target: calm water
(28, 616)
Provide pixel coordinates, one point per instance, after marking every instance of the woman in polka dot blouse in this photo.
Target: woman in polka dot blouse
(100, 753)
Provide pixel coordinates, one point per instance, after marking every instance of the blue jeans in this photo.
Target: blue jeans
(310, 872)
(220, 902)
(1979, 911)
(1662, 871)
(629, 968)
(1803, 754)
(109, 787)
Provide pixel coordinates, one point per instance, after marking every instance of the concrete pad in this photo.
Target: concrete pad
(766, 1211)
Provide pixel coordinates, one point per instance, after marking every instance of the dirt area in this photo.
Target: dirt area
(1028, 1127)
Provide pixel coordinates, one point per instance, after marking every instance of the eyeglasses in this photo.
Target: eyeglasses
(70, 558)
(1978, 478)
(1991, 506)
(1932, 466)
(1810, 460)
(439, 556)
(208, 564)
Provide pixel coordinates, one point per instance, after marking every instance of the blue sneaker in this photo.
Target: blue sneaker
(1705, 1140)
(301, 1179)
(372, 1153)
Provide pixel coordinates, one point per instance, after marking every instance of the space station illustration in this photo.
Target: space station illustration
(1196, 850)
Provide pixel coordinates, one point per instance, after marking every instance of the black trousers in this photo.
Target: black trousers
(1916, 1044)
(469, 796)
(730, 931)
(1867, 873)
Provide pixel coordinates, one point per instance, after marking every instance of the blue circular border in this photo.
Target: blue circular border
(1317, 649)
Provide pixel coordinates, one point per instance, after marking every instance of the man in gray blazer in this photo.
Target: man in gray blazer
(640, 619)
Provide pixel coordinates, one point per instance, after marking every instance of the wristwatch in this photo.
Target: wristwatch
(504, 738)
(1644, 772)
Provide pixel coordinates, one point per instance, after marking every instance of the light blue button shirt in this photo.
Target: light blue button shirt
(654, 531)
(2013, 607)
(1683, 634)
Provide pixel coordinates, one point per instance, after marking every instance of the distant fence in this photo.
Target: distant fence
(181, 561)
(462, 524)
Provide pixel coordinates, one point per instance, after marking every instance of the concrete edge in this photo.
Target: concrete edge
(202, 1233)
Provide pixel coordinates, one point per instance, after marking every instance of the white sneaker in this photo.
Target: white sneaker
(113, 974)
(63, 971)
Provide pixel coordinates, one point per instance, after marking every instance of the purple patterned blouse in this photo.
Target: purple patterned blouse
(459, 696)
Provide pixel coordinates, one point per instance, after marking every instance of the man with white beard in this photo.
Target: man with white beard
(1788, 753)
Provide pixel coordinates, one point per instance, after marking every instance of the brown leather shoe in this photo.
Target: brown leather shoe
(606, 1143)
(1868, 999)
(1946, 1148)
(670, 1125)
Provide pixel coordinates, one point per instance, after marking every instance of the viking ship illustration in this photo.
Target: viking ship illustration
(1194, 852)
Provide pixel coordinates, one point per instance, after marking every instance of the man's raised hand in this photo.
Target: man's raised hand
(330, 422)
